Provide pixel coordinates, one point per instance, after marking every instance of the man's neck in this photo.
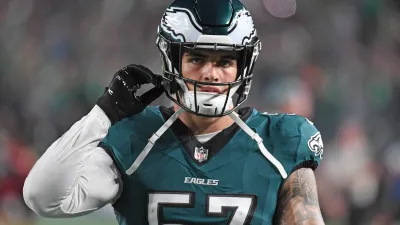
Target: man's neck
(204, 125)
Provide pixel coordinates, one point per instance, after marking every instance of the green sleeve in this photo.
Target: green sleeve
(297, 142)
(311, 148)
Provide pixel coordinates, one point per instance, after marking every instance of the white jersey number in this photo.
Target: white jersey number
(217, 206)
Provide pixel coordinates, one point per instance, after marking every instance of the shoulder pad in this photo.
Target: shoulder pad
(128, 137)
(298, 139)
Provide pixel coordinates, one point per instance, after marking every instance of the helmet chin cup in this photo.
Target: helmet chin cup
(207, 103)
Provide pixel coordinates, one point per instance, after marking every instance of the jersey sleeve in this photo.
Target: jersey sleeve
(310, 150)
(297, 142)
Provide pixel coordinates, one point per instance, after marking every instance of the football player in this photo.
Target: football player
(204, 161)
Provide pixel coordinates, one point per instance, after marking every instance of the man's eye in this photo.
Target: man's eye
(225, 63)
(195, 60)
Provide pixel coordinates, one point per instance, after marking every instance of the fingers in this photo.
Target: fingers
(140, 74)
(151, 95)
(125, 79)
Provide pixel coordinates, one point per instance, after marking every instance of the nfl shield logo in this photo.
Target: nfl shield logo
(200, 154)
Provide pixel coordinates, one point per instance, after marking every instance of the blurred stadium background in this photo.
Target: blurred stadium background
(336, 62)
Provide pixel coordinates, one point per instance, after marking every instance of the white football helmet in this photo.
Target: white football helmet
(223, 25)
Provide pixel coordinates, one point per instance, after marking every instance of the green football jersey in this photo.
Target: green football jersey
(226, 180)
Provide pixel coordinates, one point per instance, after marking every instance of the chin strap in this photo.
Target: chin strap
(235, 117)
(152, 141)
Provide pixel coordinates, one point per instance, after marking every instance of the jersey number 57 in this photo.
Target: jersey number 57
(242, 206)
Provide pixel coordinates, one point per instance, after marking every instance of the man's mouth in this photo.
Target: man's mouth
(210, 89)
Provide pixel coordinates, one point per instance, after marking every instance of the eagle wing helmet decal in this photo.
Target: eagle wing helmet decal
(181, 24)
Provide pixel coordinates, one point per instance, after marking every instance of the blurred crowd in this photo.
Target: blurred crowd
(335, 62)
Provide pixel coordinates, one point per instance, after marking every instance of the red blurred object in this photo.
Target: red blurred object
(18, 161)
(21, 158)
(11, 186)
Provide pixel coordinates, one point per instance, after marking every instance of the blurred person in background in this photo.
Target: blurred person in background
(16, 160)
(174, 165)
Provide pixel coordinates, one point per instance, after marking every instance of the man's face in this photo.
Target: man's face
(209, 66)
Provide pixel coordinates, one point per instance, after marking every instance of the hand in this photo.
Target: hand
(120, 100)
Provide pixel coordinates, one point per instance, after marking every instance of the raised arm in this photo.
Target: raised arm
(74, 177)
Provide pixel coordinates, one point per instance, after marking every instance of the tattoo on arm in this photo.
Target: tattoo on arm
(298, 200)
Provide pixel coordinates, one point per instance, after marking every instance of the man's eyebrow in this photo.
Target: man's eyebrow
(229, 57)
(196, 54)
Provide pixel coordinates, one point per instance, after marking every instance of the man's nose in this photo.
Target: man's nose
(210, 72)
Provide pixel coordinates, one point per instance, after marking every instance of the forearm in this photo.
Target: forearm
(301, 216)
(298, 201)
(57, 185)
